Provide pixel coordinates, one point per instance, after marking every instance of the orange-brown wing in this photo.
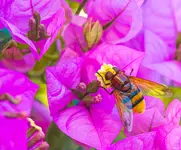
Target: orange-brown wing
(126, 114)
(151, 88)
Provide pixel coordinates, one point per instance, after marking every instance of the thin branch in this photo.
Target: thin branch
(80, 7)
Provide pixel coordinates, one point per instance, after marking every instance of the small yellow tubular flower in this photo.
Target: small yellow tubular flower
(102, 72)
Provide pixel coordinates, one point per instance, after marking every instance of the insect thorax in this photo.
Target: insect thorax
(121, 83)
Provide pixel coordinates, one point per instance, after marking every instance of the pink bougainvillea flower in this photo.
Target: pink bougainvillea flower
(145, 122)
(41, 115)
(169, 135)
(16, 92)
(73, 34)
(159, 40)
(121, 20)
(35, 23)
(139, 2)
(13, 134)
(167, 20)
(139, 142)
(95, 126)
(14, 59)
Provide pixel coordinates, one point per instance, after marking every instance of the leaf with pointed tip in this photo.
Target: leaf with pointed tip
(92, 87)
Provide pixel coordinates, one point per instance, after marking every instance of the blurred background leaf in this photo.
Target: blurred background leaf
(73, 5)
(120, 136)
(59, 141)
(41, 95)
(176, 95)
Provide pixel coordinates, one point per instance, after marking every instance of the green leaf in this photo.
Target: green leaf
(73, 5)
(92, 87)
(120, 136)
(176, 95)
(58, 140)
(41, 95)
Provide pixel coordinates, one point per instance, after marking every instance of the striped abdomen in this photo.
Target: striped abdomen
(136, 98)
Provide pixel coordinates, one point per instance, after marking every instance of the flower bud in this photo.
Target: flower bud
(92, 32)
(32, 24)
(42, 32)
(37, 17)
(35, 137)
(96, 99)
(10, 51)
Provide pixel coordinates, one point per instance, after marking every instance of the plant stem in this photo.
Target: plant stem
(80, 7)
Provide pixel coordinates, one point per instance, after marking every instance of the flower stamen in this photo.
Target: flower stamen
(37, 30)
(9, 97)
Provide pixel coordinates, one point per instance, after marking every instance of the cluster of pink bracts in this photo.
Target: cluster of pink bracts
(142, 35)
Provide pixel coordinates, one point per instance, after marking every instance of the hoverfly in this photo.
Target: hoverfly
(129, 91)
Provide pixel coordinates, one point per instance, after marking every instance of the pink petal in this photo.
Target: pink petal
(173, 140)
(156, 50)
(152, 102)
(150, 119)
(24, 65)
(19, 36)
(73, 34)
(123, 57)
(68, 11)
(160, 21)
(176, 8)
(141, 141)
(168, 137)
(140, 2)
(173, 112)
(18, 15)
(60, 79)
(127, 14)
(130, 144)
(54, 25)
(13, 134)
(95, 128)
(41, 115)
(167, 68)
(17, 84)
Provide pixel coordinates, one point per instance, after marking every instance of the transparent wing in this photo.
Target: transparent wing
(151, 88)
(125, 111)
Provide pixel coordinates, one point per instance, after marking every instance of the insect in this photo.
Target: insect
(129, 91)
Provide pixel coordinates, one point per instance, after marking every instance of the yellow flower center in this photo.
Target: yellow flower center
(102, 72)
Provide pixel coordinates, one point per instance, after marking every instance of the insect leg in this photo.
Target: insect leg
(131, 71)
(102, 79)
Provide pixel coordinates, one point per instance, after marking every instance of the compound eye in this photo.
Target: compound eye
(116, 69)
(108, 75)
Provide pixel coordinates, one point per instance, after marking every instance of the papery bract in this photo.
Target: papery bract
(13, 134)
(173, 113)
(15, 15)
(41, 115)
(22, 65)
(97, 121)
(122, 20)
(73, 34)
(145, 122)
(169, 135)
(17, 85)
(139, 142)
